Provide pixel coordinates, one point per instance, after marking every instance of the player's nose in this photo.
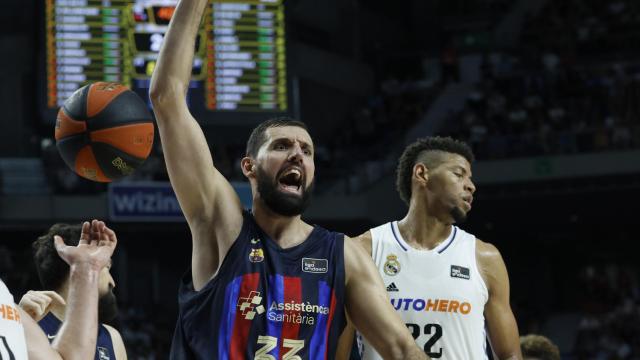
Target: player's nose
(470, 186)
(296, 153)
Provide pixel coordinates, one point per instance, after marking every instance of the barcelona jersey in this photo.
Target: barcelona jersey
(266, 302)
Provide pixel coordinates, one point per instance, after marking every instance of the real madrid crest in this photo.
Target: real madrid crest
(391, 266)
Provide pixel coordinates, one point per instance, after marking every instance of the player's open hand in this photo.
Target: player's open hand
(96, 245)
(38, 303)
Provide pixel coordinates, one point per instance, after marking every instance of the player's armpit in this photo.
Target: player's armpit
(213, 237)
(501, 324)
(370, 310)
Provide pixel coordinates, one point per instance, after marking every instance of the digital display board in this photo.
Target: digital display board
(240, 52)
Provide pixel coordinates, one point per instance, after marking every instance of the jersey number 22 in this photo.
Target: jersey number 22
(435, 331)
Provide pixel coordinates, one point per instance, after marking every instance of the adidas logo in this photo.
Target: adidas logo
(392, 287)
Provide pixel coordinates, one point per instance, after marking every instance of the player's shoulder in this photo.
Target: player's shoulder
(116, 339)
(487, 254)
(363, 240)
(486, 249)
(489, 259)
(113, 332)
(4, 290)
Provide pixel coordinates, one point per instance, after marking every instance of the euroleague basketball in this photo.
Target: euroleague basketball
(104, 131)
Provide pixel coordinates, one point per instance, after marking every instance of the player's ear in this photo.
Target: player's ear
(248, 166)
(421, 173)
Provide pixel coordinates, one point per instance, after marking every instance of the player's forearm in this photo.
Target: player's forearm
(173, 70)
(508, 350)
(76, 338)
(408, 350)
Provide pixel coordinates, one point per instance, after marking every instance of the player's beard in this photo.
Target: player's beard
(107, 307)
(458, 215)
(281, 203)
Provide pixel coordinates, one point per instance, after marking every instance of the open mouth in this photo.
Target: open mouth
(291, 180)
(468, 200)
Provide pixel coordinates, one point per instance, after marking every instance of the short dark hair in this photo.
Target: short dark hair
(258, 137)
(540, 347)
(52, 270)
(415, 152)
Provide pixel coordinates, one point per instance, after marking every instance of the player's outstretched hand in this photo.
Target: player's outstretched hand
(38, 303)
(97, 243)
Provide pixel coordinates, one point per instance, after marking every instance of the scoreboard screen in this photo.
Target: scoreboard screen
(239, 63)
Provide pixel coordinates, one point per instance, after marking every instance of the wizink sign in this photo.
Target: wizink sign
(143, 201)
(153, 201)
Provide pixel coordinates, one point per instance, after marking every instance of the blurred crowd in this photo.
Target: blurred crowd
(146, 333)
(610, 311)
(577, 29)
(554, 108)
(571, 86)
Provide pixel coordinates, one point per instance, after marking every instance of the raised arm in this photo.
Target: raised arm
(502, 326)
(371, 312)
(208, 201)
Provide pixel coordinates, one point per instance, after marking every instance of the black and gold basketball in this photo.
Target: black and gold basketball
(104, 131)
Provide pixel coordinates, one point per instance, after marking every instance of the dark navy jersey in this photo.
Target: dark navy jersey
(266, 302)
(50, 324)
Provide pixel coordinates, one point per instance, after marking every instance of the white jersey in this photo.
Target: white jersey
(12, 339)
(439, 293)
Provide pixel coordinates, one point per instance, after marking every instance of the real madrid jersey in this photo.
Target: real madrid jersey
(12, 339)
(439, 293)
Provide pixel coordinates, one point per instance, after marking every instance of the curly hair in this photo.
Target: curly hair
(417, 152)
(52, 270)
(538, 346)
(258, 137)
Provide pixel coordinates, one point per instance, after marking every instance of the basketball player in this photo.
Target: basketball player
(445, 284)
(48, 307)
(263, 285)
(20, 336)
(538, 347)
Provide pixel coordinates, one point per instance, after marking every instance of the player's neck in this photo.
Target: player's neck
(423, 230)
(286, 231)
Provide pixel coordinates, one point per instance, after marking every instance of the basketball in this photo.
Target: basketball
(104, 131)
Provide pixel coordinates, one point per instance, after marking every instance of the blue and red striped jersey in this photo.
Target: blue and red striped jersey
(266, 302)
